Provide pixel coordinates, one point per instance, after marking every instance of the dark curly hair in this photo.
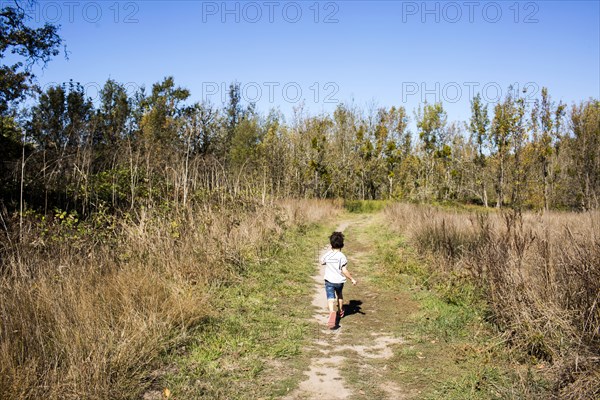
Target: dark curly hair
(336, 240)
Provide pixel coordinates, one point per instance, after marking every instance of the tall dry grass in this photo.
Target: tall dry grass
(87, 308)
(540, 275)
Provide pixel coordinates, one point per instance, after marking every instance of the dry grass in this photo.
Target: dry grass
(540, 275)
(87, 309)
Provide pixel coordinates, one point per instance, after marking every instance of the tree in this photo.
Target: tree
(344, 167)
(60, 126)
(205, 128)
(519, 143)
(246, 138)
(431, 123)
(113, 113)
(163, 109)
(548, 119)
(234, 113)
(365, 150)
(317, 130)
(391, 136)
(479, 129)
(29, 45)
(274, 154)
(585, 150)
(59, 120)
(503, 128)
(162, 116)
(450, 159)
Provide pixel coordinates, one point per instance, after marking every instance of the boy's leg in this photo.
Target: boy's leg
(331, 321)
(340, 301)
(330, 303)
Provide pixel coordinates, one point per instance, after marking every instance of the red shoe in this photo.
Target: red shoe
(331, 320)
(342, 313)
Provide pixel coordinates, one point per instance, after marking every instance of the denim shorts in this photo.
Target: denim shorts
(333, 289)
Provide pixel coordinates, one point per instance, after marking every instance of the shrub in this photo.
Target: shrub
(87, 307)
(540, 276)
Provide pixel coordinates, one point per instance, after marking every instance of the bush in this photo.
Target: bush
(539, 274)
(88, 307)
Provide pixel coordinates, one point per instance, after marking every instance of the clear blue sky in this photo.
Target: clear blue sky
(368, 53)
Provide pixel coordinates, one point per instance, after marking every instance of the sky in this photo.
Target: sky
(319, 54)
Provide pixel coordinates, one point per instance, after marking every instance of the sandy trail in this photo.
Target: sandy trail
(324, 378)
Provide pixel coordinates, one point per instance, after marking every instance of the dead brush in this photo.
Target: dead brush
(86, 313)
(540, 275)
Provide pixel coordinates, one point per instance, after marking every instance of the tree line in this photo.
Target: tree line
(156, 146)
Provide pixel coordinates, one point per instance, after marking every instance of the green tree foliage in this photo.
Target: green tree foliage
(391, 134)
(519, 170)
(275, 155)
(546, 122)
(62, 117)
(148, 149)
(244, 147)
(234, 112)
(318, 172)
(163, 111)
(479, 128)
(344, 164)
(28, 45)
(502, 135)
(431, 123)
(113, 114)
(61, 128)
(584, 147)
(204, 125)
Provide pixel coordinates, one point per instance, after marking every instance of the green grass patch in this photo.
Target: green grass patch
(444, 320)
(460, 206)
(364, 206)
(483, 384)
(251, 347)
(395, 259)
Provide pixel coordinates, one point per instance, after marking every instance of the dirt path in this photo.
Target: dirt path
(360, 341)
(324, 377)
(400, 339)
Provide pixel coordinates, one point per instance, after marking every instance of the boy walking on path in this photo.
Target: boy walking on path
(335, 276)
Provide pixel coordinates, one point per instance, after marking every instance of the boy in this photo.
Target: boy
(335, 275)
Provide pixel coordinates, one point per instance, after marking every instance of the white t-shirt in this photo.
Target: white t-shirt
(334, 261)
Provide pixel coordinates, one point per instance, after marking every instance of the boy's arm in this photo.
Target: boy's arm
(348, 275)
